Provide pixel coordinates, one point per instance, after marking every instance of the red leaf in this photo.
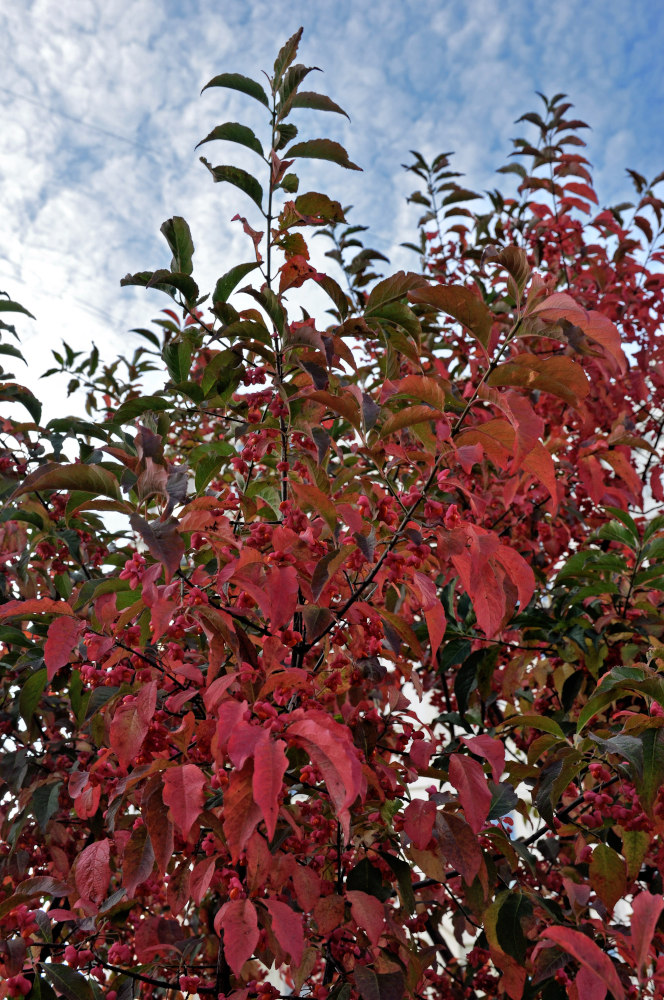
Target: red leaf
(35, 606)
(201, 878)
(588, 954)
(130, 724)
(539, 463)
(646, 910)
(331, 750)
(137, 860)
(282, 589)
(329, 914)
(62, 639)
(368, 913)
(419, 817)
(491, 749)
(241, 814)
(458, 844)
(93, 871)
(163, 540)
(160, 827)
(238, 921)
(307, 887)
(470, 782)
(589, 986)
(436, 624)
(243, 741)
(183, 794)
(287, 927)
(270, 763)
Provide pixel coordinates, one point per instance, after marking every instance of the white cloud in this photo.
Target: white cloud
(82, 200)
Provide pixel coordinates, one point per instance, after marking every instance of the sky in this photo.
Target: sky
(101, 110)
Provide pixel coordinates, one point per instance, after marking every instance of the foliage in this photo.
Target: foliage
(340, 655)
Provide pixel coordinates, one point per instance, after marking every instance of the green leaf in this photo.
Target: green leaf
(76, 428)
(317, 102)
(228, 281)
(206, 470)
(28, 516)
(509, 928)
(288, 89)
(234, 132)
(503, 799)
(461, 303)
(10, 392)
(235, 81)
(318, 206)
(68, 982)
(133, 408)
(267, 492)
(648, 786)
(629, 522)
(164, 281)
(240, 178)
(610, 690)
(41, 988)
(44, 802)
(321, 149)
(12, 351)
(336, 293)
(285, 56)
(608, 876)
(31, 692)
(6, 305)
(404, 874)
(542, 723)
(366, 877)
(393, 289)
(179, 240)
(177, 358)
(89, 478)
(221, 370)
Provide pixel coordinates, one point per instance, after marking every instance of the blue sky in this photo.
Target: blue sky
(101, 112)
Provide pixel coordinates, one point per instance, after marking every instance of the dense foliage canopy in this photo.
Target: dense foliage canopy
(340, 655)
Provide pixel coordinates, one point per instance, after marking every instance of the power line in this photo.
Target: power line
(80, 121)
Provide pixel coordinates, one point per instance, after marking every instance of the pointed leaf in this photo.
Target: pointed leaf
(461, 303)
(163, 541)
(287, 927)
(646, 911)
(321, 149)
(392, 289)
(588, 954)
(228, 281)
(184, 795)
(469, 779)
(240, 178)
(608, 875)
(10, 392)
(68, 982)
(179, 240)
(88, 478)
(285, 56)
(93, 872)
(234, 132)
(318, 102)
(235, 81)
(270, 763)
(238, 922)
(62, 639)
(558, 375)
